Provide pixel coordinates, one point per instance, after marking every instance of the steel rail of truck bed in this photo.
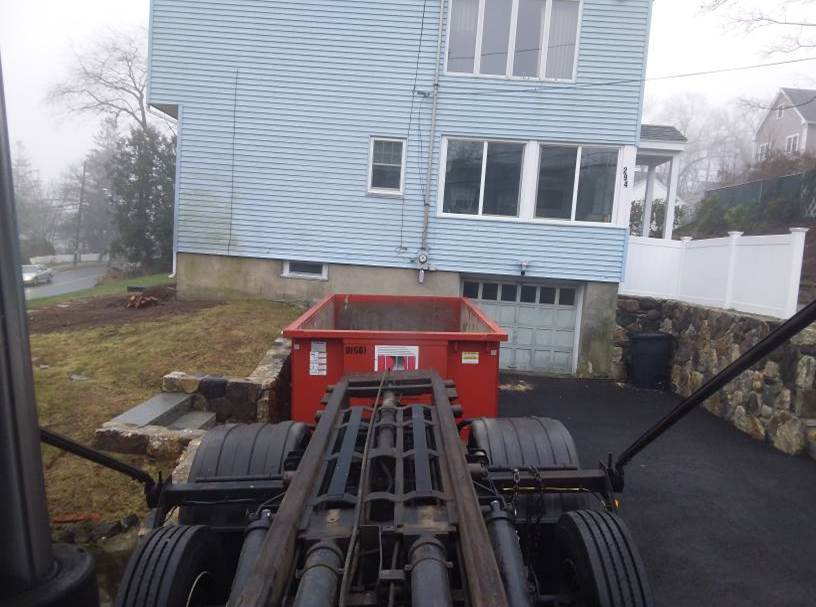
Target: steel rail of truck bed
(274, 564)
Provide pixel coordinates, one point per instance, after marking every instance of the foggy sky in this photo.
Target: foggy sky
(37, 38)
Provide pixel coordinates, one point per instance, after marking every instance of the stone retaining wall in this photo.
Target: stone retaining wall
(775, 401)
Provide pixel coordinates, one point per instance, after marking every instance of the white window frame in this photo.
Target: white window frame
(511, 45)
(287, 273)
(790, 142)
(529, 183)
(763, 151)
(386, 191)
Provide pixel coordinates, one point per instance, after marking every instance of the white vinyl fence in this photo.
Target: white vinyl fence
(757, 274)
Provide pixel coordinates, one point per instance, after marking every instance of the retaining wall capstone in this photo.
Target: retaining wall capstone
(775, 401)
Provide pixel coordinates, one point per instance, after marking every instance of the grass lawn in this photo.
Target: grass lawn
(108, 287)
(124, 364)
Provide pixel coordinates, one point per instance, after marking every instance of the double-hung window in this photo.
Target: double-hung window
(535, 39)
(483, 177)
(530, 180)
(763, 151)
(386, 173)
(792, 144)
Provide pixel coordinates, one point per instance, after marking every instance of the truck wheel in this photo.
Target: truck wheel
(521, 442)
(599, 563)
(175, 566)
(240, 451)
(525, 442)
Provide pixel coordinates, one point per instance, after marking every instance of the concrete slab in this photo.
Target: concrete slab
(194, 420)
(157, 411)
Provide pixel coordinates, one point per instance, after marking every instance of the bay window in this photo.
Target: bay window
(529, 180)
(515, 38)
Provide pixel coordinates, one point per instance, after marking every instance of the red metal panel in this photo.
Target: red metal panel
(323, 353)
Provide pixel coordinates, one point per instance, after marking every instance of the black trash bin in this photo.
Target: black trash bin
(650, 359)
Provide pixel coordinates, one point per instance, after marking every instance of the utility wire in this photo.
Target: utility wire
(587, 85)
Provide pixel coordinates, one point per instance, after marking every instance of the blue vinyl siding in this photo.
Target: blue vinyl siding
(278, 100)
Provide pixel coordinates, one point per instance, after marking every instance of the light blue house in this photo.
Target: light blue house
(484, 147)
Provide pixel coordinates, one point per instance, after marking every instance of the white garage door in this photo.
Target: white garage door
(539, 319)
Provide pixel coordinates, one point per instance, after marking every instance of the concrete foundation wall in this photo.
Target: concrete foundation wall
(597, 331)
(217, 276)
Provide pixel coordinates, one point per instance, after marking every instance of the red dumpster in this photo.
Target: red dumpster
(372, 333)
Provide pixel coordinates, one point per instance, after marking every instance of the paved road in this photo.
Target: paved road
(68, 279)
(720, 518)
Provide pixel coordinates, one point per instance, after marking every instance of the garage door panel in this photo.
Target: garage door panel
(565, 319)
(562, 362)
(541, 332)
(524, 336)
(506, 314)
(540, 317)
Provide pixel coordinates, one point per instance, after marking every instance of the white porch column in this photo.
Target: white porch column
(648, 199)
(671, 197)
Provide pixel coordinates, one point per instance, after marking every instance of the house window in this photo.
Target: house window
(762, 152)
(780, 112)
(529, 180)
(514, 38)
(792, 144)
(305, 269)
(483, 177)
(576, 183)
(387, 166)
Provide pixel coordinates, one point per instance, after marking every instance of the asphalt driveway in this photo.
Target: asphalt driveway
(720, 519)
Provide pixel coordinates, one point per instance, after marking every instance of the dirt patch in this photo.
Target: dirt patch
(111, 310)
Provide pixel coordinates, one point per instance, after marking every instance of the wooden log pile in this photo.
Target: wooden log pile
(141, 301)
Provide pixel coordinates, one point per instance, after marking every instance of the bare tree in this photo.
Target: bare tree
(795, 20)
(108, 79)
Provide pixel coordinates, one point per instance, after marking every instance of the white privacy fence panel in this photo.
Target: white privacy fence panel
(757, 274)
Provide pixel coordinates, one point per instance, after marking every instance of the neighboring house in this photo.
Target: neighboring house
(476, 147)
(789, 126)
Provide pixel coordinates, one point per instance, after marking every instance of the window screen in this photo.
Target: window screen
(463, 177)
(502, 178)
(596, 184)
(556, 182)
(562, 40)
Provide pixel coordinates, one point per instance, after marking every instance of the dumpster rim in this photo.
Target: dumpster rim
(295, 330)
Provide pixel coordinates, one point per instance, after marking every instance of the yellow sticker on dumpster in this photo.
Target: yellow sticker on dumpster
(470, 358)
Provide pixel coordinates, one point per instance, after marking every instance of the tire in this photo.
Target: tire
(521, 442)
(599, 563)
(173, 564)
(240, 451)
(525, 442)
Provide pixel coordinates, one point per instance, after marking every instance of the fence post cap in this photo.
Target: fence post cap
(798, 230)
(735, 234)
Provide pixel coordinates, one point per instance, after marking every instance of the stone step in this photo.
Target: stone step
(193, 420)
(160, 410)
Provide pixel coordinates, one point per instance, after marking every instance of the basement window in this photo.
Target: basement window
(305, 269)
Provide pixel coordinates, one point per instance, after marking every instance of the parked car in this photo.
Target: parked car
(37, 275)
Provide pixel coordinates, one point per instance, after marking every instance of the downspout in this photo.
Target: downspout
(422, 257)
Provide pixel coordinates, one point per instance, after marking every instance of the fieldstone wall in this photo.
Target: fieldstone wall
(774, 402)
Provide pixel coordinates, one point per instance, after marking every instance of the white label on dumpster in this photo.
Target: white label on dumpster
(396, 358)
(470, 358)
(317, 358)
